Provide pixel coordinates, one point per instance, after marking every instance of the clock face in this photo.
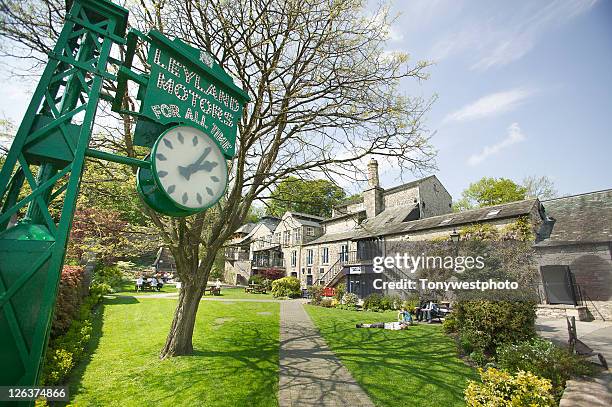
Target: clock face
(189, 167)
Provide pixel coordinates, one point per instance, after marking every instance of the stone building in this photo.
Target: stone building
(573, 240)
(575, 256)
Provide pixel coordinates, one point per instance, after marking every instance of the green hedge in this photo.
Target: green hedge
(545, 359)
(65, 351)
(286, 287)
(485, 325)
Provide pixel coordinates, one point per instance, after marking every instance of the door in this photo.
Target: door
(559, 285)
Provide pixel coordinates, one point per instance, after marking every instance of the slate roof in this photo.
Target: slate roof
(246, 228)
(580, 218)
(381, 226)
(270, 222)
(344, 215)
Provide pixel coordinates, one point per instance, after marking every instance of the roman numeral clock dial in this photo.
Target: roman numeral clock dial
(188, 168)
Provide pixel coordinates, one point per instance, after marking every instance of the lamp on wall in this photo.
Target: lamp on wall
(455, 236)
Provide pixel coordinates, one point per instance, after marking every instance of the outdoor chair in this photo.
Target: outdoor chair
(580, 347)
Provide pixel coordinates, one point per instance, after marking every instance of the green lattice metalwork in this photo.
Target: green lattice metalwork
(42, 170)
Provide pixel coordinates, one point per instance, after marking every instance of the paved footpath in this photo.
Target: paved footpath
(310, 373)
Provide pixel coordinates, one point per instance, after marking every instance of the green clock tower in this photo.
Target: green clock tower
(189, 112)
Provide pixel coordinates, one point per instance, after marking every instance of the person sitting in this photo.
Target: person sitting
(139, 282)
(153, 282)
(420, 311)
(404, 316)
(430, 311)
(160, 283)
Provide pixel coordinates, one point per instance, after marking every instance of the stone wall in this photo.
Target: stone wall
(341, 225)
(591, 265)
(434, 198)
(400, 197)
(237, 271)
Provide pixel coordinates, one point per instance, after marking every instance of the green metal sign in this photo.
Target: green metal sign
(184, 86)
(187, 87)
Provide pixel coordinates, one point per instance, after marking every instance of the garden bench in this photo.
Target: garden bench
(213, 290)
(580, 347)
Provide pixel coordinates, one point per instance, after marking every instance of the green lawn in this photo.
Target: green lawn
(239, 293)
(235, 363)
(414, 367)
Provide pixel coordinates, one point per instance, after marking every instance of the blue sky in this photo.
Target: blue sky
(524, 88)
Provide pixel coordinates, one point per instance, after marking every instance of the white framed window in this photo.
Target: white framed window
(325, 255)
(310, 231)
(309, 256)
(297, 235)
(286, 237)
(294, 258)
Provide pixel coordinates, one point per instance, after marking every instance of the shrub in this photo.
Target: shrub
(386, 303)
(272, 274)
(489, 324)
(450, 324)
(501, 389)
(70, 293)
(286, 287)
(334, 302)
(65, 351)
(350, 300)
(340, 291)
(316, 294)
(479, 358)
(372, 302)
(411, 305)
(111, 275)
(327, 302)
(543, 358)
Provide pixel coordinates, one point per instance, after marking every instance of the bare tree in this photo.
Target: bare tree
(325, 95)
(540, 187)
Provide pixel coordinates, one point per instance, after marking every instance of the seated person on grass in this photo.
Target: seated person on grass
(403, 315)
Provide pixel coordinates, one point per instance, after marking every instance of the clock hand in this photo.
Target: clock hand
(202, 157)
(185, 171)
(206, 166)
(191, 168)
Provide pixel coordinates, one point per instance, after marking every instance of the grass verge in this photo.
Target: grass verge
(414, 367)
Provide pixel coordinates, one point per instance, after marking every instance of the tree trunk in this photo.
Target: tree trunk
(179, 341)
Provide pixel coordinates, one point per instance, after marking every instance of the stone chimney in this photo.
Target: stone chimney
(373, 196)
(373, 174)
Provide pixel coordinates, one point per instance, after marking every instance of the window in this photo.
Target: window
(297, 235)
(325, 255)
(277, 237)
(286, 237)
(344, 253)
(293, 258)
(309, 256)
(310, 231)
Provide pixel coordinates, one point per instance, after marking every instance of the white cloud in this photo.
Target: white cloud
(501, 39)
(490, 105)
(515, 135)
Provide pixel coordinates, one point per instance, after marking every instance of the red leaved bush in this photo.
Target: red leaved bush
(69, 297)
(272, 274)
